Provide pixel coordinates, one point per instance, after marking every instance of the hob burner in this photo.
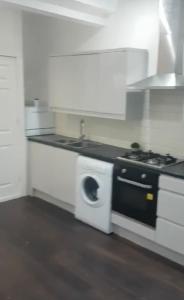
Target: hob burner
(149, 158)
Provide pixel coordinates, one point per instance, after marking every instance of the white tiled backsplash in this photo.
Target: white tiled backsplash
(162, 128)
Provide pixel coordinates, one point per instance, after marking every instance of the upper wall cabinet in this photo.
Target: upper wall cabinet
(95, 83)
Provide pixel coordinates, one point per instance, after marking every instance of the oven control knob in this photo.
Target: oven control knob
(143, 176)
(123, 171)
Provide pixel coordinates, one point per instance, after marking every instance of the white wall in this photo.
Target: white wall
(45, 36)
(36, 52)
(164, 122)
(10, 32)
(133, 25)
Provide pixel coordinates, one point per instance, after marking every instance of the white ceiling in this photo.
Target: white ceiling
(91, 12)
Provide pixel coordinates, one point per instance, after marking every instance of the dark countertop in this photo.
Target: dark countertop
(176, 170)
(101, 151)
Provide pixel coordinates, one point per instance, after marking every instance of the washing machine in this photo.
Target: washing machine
(94, 193)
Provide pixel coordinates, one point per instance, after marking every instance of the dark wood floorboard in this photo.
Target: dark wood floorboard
(46, 254)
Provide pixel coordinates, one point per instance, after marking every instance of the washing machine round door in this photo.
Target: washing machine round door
(90, 188)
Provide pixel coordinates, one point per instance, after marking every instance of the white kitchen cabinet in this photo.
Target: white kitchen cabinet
(170, 235)
(53, 171)
(170, 221)
(41, 167)
(171, 207)
(172, 184)
(95, 83)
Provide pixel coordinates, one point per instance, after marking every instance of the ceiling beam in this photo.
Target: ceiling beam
(58, 11)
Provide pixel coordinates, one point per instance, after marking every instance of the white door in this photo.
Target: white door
(9, 138)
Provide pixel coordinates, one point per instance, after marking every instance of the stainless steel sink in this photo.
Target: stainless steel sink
(76, 143)
(83, 144)
(65, 141)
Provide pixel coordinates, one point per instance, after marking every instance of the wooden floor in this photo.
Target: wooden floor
(46, 254)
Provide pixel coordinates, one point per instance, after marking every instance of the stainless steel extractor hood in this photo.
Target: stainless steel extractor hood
(170, 69)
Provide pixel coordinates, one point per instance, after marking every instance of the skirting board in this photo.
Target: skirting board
(11, 198)
(54, 201)
(133, 226)
(148, 244)
(124, 233)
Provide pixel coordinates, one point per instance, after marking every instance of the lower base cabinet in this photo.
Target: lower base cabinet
(170, 221)
(53, 171)
(170, 235)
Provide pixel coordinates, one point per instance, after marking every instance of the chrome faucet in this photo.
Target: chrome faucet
(82, 130)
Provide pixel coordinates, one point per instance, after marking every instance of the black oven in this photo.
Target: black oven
(135, 190)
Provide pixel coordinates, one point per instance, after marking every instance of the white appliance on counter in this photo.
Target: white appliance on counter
(39, 120)
(94, 193)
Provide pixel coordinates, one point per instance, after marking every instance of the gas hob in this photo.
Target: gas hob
(149, 158)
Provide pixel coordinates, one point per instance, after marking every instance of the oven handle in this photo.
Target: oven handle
(141, 185)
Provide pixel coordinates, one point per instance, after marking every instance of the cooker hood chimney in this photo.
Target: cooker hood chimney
(170, 69)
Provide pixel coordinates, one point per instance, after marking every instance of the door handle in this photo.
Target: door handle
(134, 183)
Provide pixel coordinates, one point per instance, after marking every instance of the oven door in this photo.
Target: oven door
(135, 199)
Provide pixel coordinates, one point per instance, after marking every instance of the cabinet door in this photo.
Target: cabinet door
(66, 77)
(172, 184)
(54, 171)
(104, 91)
(41, 168)
(64, 175)
(91, 84)
(170, 235)
(171, 207)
